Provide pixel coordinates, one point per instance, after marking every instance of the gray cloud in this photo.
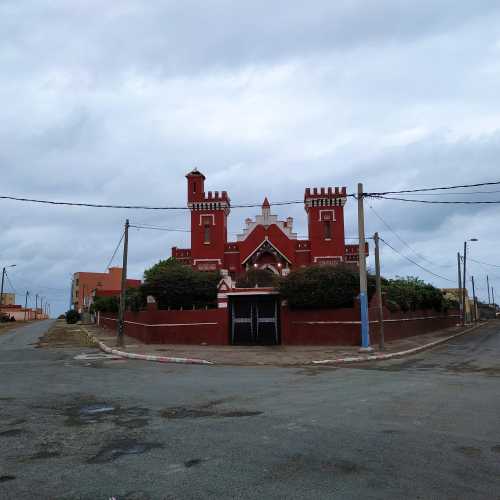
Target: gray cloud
(115, 104)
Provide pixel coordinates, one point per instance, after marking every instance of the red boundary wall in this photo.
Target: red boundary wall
(342, 326)
(298, 327)
(174, 327)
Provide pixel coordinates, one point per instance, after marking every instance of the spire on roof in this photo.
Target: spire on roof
(266, 203)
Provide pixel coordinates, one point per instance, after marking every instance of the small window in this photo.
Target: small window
(327, 229)
(206, 233)
(194, 187)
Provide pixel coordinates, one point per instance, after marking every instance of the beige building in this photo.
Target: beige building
(8, 299)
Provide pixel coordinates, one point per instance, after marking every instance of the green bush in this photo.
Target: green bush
(410, 294)
(105, 304)
(320, 287)
(72, 316)
(175, 285)
(257, 277)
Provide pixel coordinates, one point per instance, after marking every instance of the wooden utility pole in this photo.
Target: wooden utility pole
(488, 285)
(36, 306)
(460, 299)
(474, 299)
(379, 292)
(121, 311)
(363, 286)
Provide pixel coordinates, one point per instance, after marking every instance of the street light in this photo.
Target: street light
(465, 277)
(3, 277)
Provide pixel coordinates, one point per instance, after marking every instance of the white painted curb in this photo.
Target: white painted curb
(148, 357)
(379, 357)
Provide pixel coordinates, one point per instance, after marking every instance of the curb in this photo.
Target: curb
(380, 357)
(147, 357)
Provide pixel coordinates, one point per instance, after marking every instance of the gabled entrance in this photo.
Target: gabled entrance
(254, 319)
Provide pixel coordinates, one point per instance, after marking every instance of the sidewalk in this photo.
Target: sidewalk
(270, 355)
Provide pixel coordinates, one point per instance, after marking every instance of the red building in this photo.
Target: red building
(265, 242)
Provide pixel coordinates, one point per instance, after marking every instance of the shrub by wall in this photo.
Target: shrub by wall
(322, 287)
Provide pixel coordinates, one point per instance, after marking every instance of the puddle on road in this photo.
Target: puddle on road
(183, 412)
(100, 412)
(13, 432)
(192, 462)
(6, 478)
(121, 447)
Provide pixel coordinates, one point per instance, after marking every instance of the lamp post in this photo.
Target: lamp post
(464, 279)
(3, 277)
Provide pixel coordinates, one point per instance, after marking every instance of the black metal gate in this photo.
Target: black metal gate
(254, 320)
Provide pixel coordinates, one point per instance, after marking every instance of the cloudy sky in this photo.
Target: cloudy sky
(114, 102)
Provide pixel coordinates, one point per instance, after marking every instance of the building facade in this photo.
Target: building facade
(84, 284)
(265, 242)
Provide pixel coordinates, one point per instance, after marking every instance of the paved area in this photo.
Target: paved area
(263, 355)
(420, 427)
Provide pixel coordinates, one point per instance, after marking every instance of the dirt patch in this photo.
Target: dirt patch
(60, 334)
(469, 367)
(469, 451)
(121, 447)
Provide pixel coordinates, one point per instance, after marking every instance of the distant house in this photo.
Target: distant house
(84, 284)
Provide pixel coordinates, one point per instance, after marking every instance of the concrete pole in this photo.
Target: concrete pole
(363, 285)
(379, 292)
(465, 284)
(493, 298)
(460, 300)
(488, 285)
(121, 311)
(1, 289)
(36, 306)
(26, 304)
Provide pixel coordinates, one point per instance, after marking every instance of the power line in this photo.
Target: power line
(416, 263)
(139, 207)
(402, 240)
(483, 263)
(114, 253)
(10, 282)
(454, 202)
(453, 194)
(494, 183)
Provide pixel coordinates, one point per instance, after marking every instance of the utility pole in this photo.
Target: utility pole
(121, 311)
(1, 289)
(363, 285)
(488, 285)
(493, 298)
(26, 304)
(460, 300)
(465, 284)
(379, 292)
(474, 299)
(36, 306)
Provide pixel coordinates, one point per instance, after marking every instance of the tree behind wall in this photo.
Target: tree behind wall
(175, 285)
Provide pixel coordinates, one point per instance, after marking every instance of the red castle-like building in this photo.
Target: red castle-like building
(265, 242)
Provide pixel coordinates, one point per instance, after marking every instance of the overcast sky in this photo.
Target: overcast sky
(114, 102)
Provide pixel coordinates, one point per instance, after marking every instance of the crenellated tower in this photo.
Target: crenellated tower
(209, 213)
(325, 220)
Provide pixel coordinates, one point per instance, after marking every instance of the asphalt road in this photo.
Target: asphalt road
(424, 427)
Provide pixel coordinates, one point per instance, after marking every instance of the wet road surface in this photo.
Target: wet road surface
(426, 426)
